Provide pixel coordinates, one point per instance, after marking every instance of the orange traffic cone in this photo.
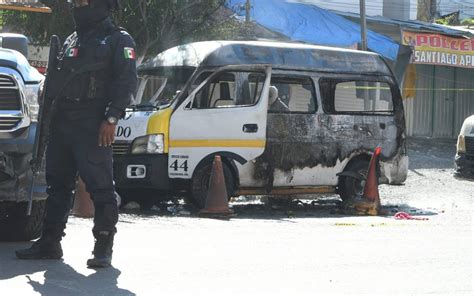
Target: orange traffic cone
(83, 205)
(217, 204)
(371, 188)
(370, 203)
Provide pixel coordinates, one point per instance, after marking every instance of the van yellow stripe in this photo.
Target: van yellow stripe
(218, 143)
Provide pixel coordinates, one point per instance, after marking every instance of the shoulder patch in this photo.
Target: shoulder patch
(72, 52)
(129, 53)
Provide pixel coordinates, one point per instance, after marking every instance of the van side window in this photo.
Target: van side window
(356, 96)
(230, 89)
(295, 95)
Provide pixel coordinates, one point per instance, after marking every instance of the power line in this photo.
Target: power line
(379, 6)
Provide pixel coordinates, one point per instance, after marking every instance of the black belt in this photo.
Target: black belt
(79, 99)
(81, 103)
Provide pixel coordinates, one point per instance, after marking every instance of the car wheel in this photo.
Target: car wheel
(15, 225)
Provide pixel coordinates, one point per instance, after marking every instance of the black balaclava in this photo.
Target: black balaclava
(89, 16)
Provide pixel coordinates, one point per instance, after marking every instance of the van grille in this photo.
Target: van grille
(8, 123)
(469, 145)
(120, 148)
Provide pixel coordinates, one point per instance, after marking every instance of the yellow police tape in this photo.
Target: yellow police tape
(355, 224)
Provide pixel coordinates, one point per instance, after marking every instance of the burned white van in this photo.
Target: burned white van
(287, 118)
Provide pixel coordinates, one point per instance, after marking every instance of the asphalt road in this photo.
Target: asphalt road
(292, 249)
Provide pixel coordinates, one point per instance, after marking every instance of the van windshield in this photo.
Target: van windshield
(159, 87)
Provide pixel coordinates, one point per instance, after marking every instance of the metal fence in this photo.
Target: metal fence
(444, 98)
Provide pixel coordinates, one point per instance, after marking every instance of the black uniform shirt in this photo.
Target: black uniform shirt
(101, 64)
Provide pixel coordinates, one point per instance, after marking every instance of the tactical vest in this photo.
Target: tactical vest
(85, 67)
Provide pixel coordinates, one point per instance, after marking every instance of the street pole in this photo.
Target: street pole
(247, 11)
(363, 25)
(363, 43)
(426, 10)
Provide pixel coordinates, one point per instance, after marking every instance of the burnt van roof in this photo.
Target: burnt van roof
(280, 55)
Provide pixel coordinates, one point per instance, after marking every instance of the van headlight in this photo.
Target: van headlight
(461, 146)
(31, 99)
(150, 144)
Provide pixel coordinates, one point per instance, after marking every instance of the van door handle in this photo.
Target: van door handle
(250, 128)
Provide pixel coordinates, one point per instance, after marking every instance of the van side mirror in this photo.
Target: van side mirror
(16, 42)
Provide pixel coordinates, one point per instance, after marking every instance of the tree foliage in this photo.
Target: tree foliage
(158, 25)
(469, 22)
(451, 19)
(155, 24)
(39, 26)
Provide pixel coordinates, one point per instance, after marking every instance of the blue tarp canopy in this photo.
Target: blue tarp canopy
(311, 24)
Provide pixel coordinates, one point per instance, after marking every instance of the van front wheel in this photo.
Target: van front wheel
(350, 186)
(200, 184)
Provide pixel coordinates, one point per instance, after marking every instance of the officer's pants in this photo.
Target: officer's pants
(73, 148)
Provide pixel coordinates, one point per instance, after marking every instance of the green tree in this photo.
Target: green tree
(469, 22)
(155, 24)
(160, 24)
(39, 26)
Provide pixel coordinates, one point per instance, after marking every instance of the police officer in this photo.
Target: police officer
(95, 78)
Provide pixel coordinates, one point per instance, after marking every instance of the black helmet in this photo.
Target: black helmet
(113, 5)
(87, 14)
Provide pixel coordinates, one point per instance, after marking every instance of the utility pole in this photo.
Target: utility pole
(426, 10)
(247, 11)
(363, 25)
(363, 43)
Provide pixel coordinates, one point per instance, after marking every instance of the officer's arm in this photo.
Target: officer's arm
(124, 80)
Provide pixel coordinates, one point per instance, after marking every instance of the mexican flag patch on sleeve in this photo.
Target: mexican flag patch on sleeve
(129, 53)
(72, 52)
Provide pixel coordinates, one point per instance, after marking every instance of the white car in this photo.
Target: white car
(465, 149)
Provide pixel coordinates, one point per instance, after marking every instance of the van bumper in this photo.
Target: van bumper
(155, 176)
(464, 165)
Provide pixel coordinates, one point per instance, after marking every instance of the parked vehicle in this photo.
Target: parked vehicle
(19, 90)
(464, 158)
(286, 118)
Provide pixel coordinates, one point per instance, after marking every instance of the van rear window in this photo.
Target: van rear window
(356, 96)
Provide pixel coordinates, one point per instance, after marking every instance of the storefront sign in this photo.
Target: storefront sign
(436, 49)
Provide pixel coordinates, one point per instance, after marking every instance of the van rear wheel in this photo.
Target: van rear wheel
(200, 184)
(351, 187)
